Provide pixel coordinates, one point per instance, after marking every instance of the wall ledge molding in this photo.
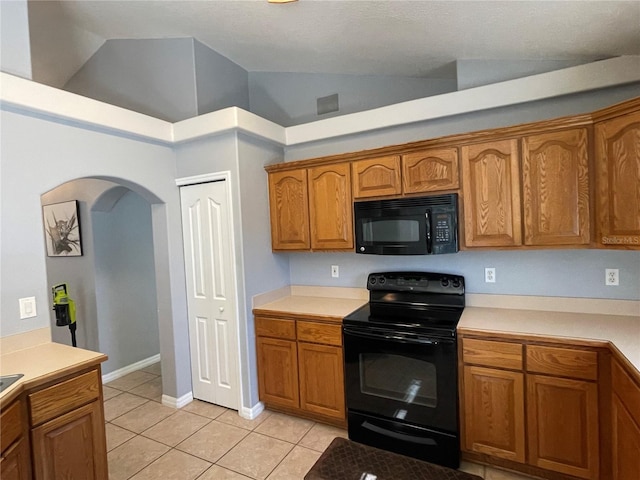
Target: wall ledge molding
(179, 402)
(121, 372)
(36, 98)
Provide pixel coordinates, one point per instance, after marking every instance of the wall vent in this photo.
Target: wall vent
(328, 104)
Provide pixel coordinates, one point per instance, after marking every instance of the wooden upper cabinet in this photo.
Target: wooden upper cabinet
(555, 182)
(288, 203)
(618, 181)
(376, 177)
(331, 207)
(491, 185)
(430, 170)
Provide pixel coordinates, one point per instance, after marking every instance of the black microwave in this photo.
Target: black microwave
(407, 226)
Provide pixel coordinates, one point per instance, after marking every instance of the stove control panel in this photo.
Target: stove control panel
(423, 282)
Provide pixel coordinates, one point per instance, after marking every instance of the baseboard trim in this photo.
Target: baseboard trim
(121, 372)
(253, 412)
(177, 402)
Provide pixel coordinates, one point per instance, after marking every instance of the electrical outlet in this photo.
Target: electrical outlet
(490, 275)
(611, 277)
(335, 271)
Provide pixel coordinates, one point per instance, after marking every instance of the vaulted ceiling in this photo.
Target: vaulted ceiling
(391, 37)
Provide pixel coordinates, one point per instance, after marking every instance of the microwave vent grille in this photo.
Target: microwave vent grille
(430, 201)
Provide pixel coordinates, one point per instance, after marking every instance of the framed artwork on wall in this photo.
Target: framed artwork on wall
(62, 229)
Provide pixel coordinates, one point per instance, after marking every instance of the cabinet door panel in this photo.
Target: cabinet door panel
(563, 425)
(331, 207)
(555, 173)
(491, 183)
(72, 446)
(430, 170)
(322, 380)
(494, 412)
(376, 177)
(618, 181)
(278, 372)
(625, 443)
(15, 463)
(288, 204)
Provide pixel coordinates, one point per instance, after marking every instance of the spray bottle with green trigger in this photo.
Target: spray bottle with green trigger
(65, 309)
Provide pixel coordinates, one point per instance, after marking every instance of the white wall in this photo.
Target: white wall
(15, 49)
(38, 154)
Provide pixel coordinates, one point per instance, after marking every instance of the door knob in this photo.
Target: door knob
(221, 309)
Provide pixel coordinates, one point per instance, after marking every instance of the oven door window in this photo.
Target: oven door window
(405, 379)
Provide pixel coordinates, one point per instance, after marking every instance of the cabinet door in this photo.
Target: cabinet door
(376, 177)
(563, 425)
(430, 170)
(618, 180)
(494, 413)
(331, 207)
(625, 440)
(288, 204)
(72, 446)
(555, 182)
(15, 462)
(491, 184)
(278, 372)
(321, 379)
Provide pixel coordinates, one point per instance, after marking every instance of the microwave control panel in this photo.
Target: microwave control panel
(444, 231)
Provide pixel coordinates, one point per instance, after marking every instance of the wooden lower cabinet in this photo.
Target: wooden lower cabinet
(625, 422)
(563, 425)
(15, 462)
(278, 372)
(321, 379)
(532, 407)
(494, 412)
(71, 446)
(300, 367)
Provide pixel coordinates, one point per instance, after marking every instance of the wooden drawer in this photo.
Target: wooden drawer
(63, 397)
(563, 362)
(492, 353)
(329, 334)
(276, 328)
(11, 423)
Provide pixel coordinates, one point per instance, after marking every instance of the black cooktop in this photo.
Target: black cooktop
(422, 302)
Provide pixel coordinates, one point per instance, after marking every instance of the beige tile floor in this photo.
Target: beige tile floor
(147, 440)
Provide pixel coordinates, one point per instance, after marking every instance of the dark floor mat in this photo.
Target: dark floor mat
(347, 460)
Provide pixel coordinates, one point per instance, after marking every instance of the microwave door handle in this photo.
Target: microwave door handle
(427, 215)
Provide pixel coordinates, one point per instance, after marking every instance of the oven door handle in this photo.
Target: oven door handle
(395, 337)
(397, 435)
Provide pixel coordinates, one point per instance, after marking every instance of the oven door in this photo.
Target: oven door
(402, 377)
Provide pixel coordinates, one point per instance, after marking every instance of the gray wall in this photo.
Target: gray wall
(220, 83)
(258, 270)
(38, 154)
(125, 284)
(473, 73)
(291, 98)
(15, 48)
(78, 272)
(155, 77)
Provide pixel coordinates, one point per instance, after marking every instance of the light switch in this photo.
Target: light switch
(28, 307)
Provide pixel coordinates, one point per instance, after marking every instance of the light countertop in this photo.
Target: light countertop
(623, 331)
(41, 361)
(543, 316)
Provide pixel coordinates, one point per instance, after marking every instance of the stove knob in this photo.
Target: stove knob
(455, 283)
(382, 281)
(444, 282)
(372, 280)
